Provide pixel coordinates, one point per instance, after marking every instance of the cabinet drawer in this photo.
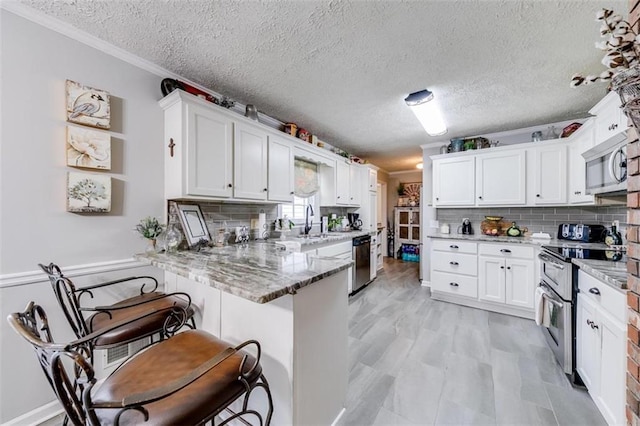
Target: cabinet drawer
(455, 246)
(455, 263)
(454, 284)
(611, 300)
(506, 251)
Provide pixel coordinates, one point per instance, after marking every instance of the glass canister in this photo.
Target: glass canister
(172, 239)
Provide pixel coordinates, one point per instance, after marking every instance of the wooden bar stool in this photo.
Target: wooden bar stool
(187, 379)
(100, 318)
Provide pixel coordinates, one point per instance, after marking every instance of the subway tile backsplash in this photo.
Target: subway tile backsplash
(538, 219)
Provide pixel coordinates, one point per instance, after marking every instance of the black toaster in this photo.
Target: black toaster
(581, 232)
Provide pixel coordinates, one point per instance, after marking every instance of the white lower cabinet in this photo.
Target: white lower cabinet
(601, 335)
(492, 276)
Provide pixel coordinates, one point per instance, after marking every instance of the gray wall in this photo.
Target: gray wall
(538, 219)
(34, 224)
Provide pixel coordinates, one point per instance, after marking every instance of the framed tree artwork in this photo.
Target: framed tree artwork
(88, 193)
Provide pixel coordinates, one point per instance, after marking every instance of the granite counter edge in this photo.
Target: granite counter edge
(600, 275)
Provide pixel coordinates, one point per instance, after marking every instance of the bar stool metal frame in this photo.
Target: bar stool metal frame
(227, 373)
(149, 300)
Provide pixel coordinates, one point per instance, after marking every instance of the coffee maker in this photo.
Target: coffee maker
(354, 223)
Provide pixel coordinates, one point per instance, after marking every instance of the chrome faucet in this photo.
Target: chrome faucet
(307, 222)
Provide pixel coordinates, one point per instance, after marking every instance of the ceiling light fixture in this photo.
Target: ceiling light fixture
(423, 105)
(419, 166)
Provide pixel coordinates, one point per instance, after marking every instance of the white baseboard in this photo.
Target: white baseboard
(487, 306)
(30, 277)
(37, 416)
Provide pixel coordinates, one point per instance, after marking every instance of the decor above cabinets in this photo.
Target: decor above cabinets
(212, 153)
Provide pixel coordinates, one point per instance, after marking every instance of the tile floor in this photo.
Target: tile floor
(418, 361)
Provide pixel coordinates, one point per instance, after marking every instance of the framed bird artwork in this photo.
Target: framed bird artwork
(88, 106)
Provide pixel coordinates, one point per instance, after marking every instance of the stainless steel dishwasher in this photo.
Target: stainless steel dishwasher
(362, 260)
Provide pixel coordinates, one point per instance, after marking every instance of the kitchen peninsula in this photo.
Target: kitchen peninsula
(294, 304)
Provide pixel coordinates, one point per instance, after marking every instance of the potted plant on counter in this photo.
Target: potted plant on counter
(150, 228)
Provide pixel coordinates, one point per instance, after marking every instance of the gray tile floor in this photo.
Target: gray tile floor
(418, 361)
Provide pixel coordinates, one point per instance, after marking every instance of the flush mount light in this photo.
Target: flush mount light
(424, 106)
(419, 166)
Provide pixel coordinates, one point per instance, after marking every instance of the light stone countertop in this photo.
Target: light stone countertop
(612, 273)
(330, 237)
(256, 271)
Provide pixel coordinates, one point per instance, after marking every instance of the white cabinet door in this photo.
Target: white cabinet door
(373, 265)
(373, 211)
(343, 178)
(209, 153)
(453, 181)
(611, 398)
(491, 279)
(580, 141)
(610, 120)
(373, 180)
(500, 178)
(550, 175)
(250, 162)
(356, 178)
(280, 170)
(519, 283)
(588, 344)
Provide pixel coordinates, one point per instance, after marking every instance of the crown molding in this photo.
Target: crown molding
(76, 34)
(402, 172)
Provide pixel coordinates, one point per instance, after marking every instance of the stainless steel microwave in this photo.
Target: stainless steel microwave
(606, 166)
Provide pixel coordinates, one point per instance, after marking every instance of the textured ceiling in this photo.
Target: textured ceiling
(342, 69)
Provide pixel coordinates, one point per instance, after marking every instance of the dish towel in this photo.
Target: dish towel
(549, 312)
(538, 301)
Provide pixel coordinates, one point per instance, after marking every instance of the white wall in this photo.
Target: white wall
(34, 224)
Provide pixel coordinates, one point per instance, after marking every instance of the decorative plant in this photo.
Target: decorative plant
(621, 46)
(150, 228)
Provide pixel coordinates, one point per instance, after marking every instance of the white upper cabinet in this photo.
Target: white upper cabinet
(343, 179)
(198, 157)
(501, 178)
(454, 181)
(250, 162)
(550, 175)
(610, 119)
(357, 177)
(579, 142)
(373, 180)
(280, 170)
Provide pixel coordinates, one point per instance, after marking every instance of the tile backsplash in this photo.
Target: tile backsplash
(538, 219)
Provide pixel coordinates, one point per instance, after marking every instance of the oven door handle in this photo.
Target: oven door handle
(550, 261)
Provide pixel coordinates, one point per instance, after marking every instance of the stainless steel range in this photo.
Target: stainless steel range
(558, 276)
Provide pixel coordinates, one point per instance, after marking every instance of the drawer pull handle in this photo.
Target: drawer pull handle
(505, 251)
(454, 284)
(453, 246)
(594, 290)
(454, 263)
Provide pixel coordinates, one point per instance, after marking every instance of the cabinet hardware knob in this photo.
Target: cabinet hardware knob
(589, 322)
(454, 263)
(171, 146)
(594, 290)
(291, 193)
(264, 190)
(537, 195)
(453, 246)
(502, 267)
(508, 267)
(480, 197)
(614, 126)
(338, 196)
(505, 251)
(230, 186)
(454, 284)
(437, 198)
(594, 326)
